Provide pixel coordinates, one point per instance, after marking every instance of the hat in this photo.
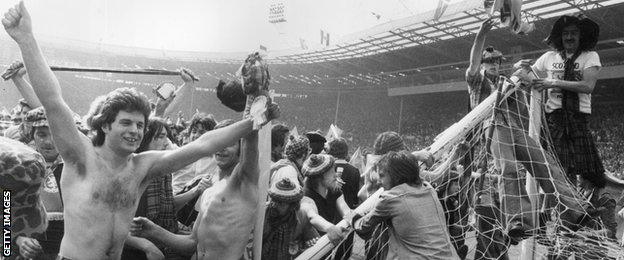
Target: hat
(588, 28)
(388, 141)
(296, 147)
(231, 95)
(255, 74)
(317, 164)
(490, 55)
(316, 137)
(317, 141)
(285, 190)
(338, 148)
(37, 117)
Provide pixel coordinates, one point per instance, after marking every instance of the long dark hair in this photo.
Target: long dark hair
(155, 126)
(104, 110)
(402, 167)
(589, 32)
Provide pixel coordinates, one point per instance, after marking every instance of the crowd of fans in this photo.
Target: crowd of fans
(422, 119)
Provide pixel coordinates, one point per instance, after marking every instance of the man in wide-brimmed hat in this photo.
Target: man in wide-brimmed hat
(569, 74)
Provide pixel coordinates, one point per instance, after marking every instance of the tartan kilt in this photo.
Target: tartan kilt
(575, 147)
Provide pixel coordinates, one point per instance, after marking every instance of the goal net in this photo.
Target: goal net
(485, 162)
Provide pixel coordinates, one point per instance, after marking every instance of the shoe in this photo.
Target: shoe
(517, 233)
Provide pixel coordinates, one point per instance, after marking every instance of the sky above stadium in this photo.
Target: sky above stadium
(212, 25)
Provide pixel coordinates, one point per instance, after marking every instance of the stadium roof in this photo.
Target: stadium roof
(460, 20)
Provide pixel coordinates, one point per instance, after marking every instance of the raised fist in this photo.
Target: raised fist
(187, 75)
(17, 22)
(19, 66)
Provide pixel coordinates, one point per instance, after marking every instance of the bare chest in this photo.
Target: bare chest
(117, 190)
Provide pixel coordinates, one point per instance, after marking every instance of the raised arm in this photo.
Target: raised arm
(248, 170)
(182, 94)
(477, 47)
(164, 162)
(24, 88)
(69, 141)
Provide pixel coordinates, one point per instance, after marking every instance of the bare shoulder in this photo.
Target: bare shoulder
(307, 204)
(147, 161)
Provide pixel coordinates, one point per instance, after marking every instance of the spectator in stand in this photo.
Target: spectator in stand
(279, 132)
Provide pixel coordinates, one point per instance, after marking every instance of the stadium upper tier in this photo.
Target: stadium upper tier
(438, 53)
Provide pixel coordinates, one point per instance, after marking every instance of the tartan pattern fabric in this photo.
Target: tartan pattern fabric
(159, 203)
(570, 100)
(479, 88)
(575, 146)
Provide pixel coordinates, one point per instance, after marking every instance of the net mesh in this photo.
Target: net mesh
(481, 185)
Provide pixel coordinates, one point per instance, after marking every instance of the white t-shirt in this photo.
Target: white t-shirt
(552, 64)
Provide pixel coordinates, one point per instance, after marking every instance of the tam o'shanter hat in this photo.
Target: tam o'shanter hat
(296, 146)
(37, 117)
(490, 55)
(285, 190)
(317, 164)
(589, 29)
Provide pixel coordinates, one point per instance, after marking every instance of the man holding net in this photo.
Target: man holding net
(570, 72)
(511, 145)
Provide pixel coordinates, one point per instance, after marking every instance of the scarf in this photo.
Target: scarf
(570, 99)
(281, 231)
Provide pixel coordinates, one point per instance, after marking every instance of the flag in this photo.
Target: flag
(440, 9)
(442, 5)
(357, 160)
(263, 48)
(324, 38)
(294, 132)
(303, 44)
(510, 15)
(333, 133)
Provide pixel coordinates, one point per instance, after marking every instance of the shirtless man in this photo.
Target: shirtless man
(227, 212)
(103, 181)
